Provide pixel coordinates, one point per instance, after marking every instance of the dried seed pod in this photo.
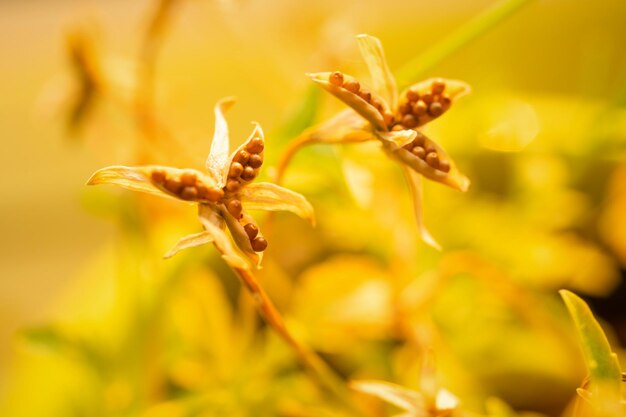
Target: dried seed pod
(173, 185)
(438, 86)
(235, 170)
(352, 86)
(248, 174)
(336, 78)
(409, 121)
(188, 179)
(419, 108)
(251, 230)
(232, 186)
(432, 159)
(235, 208)
(189, 193)
(255, 145)
(259, 244)
(378, 103)
(419, 152)
(435, 109)
(158, 176)
(255, 161)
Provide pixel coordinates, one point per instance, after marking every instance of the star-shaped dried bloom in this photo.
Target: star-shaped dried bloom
(394, 119)
(223, 193)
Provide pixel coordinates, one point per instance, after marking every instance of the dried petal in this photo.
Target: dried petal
(190, 241)
(383, 82)
(414, 181)
(212, 220)
(404, 398)
(272, 197)
(398, 137)
(218, 162)
(362, 107)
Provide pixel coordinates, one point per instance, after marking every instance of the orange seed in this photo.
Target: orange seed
(336, 78)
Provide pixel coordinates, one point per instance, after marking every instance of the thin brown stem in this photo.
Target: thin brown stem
(290, 151)
(321, 372)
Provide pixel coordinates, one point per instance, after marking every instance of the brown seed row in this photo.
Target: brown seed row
(258, 243)
(245, 165)
(418, 107)
(427, 152)
(186, 186)
(337, 78)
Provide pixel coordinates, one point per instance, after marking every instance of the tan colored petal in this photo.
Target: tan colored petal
(452, 177)
(404, 398)
(345, 127)
(358, 104)
(414, 181)
(131, 178)
(212, 221)
(240, 236)
(383, 81)
(428, 100)
(217, 162)
(272, 197)
(190, 241)
(249, 157)
(399, 137)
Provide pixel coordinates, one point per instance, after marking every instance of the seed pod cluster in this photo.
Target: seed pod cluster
(185, 185)
(419, 106)
(258, 243)
(424, 149)
(245, 164)
(352, 85)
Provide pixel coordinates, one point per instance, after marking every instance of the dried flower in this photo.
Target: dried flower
(394, 118)
(223, 193)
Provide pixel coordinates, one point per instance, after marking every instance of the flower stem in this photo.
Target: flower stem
(290, 151)
(321, 372)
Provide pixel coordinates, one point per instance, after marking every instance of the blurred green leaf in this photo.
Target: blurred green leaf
(602, 364)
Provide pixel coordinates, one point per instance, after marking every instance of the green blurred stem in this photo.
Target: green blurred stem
(482, 23)
(323, 374)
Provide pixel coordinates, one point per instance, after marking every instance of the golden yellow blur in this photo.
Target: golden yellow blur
(94, 322)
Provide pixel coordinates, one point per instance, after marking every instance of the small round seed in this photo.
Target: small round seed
(352, 86)
(248, 174)
(172, 185)
(214, 194)
(419, 108)
(388, 118)
(427, 98)
(444, 165)
(404, 108)
(234, 208)
(419, 152)
(435, 109)
(438, 86)
(446, 102)
(397, 128)
(365, 95)
(235, 170)
(242, 157)
(412, 95)
(336, 78)
(255, 161)
(378, 104)
(432, 159)
(409, 121)
(419, 140)
(251, 230)
(189, 193)
(259, 244)
(188, 179)
(430, 148)
(256, 145)
(158, 176)
(232, 185)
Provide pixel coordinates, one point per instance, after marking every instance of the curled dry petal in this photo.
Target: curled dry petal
(394, 394)
(212, 222)
(217, 162)
(452, 178)
(272, 197)
(240, 236)
(414, 181)
(362, 107)
(131, 178)
(190, 241)
(383, 81)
